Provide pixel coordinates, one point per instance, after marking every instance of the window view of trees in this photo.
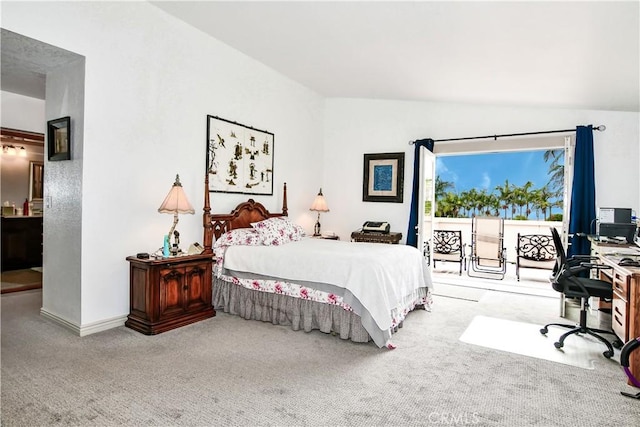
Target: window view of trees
(507, 200)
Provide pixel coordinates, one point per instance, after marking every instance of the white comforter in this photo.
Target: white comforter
(380, 276)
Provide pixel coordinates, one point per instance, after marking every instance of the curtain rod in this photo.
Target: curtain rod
(495, 137)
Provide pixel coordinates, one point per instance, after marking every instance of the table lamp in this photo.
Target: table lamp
(319, 205)
(176, 202)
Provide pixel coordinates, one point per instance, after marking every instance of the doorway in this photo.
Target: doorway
(454, 204)
(34, 70)
(22, 174)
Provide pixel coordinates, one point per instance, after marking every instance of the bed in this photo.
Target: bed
(359, 291)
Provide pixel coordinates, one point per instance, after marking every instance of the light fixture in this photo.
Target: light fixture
(176, 202)
(9, 150)
(22, 152)
(319, 205)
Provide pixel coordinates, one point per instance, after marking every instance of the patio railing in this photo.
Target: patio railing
(511, 230)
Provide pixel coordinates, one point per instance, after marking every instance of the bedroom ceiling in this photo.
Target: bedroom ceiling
(547, 54)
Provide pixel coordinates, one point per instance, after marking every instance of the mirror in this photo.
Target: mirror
(36, 177)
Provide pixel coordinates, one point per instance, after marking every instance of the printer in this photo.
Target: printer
(616, 223)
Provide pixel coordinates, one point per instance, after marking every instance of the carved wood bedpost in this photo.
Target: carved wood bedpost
(206, 218)
(285, 210)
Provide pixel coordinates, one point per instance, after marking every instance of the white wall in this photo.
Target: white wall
(354, 127)
(21, 113)
(151, 80)
(63, 199)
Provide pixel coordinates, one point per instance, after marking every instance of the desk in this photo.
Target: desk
(625, 306)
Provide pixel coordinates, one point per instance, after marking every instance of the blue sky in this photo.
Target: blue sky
(486, 171)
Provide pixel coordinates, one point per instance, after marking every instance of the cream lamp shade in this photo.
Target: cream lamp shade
(319, 205)
(176, 203)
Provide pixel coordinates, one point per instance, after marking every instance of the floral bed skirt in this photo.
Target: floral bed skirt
(286, 310)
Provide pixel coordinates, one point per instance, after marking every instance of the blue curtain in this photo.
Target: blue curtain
(415, 213)
(583, 194)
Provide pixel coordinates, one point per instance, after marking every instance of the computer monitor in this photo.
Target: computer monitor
(628, 231)
(614, 215)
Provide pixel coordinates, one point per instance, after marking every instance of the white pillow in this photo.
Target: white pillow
(240, 236)
(278, 231)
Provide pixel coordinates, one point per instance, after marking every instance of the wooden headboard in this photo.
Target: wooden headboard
(241, 217)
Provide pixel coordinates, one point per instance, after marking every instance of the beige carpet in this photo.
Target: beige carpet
(525, 339)
(458, 292)
(227, 371)
(20, 280)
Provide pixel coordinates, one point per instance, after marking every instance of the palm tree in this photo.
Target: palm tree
(505, 196)
(448, 206)
(545, 201)
(466, 204)
(484, 202)
(556, 168)
(557, 203)
(442, 187)
(528, 197)
(492, 205)
(471, 197)
(519, 199)
(540, 201)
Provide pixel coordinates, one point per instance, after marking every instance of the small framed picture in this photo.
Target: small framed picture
(383, 177)
(59, 139)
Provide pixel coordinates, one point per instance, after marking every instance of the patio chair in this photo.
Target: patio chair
(426, 252)
(534, 251)
(448, 247)
(488, 255)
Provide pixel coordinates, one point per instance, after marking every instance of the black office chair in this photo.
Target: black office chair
(566, 279)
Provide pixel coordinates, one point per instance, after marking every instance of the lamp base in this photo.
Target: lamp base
(316, 229)
(175, 248)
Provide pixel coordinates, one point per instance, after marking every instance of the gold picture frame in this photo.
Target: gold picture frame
(36, 180)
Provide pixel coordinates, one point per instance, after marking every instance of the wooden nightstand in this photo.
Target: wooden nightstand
(392, 237)
(168, 293)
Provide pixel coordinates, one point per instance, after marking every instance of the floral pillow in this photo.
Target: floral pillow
(240, 236)
(278, 231)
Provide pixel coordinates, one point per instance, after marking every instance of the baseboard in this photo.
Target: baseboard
(85, 330)
(102, 325)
